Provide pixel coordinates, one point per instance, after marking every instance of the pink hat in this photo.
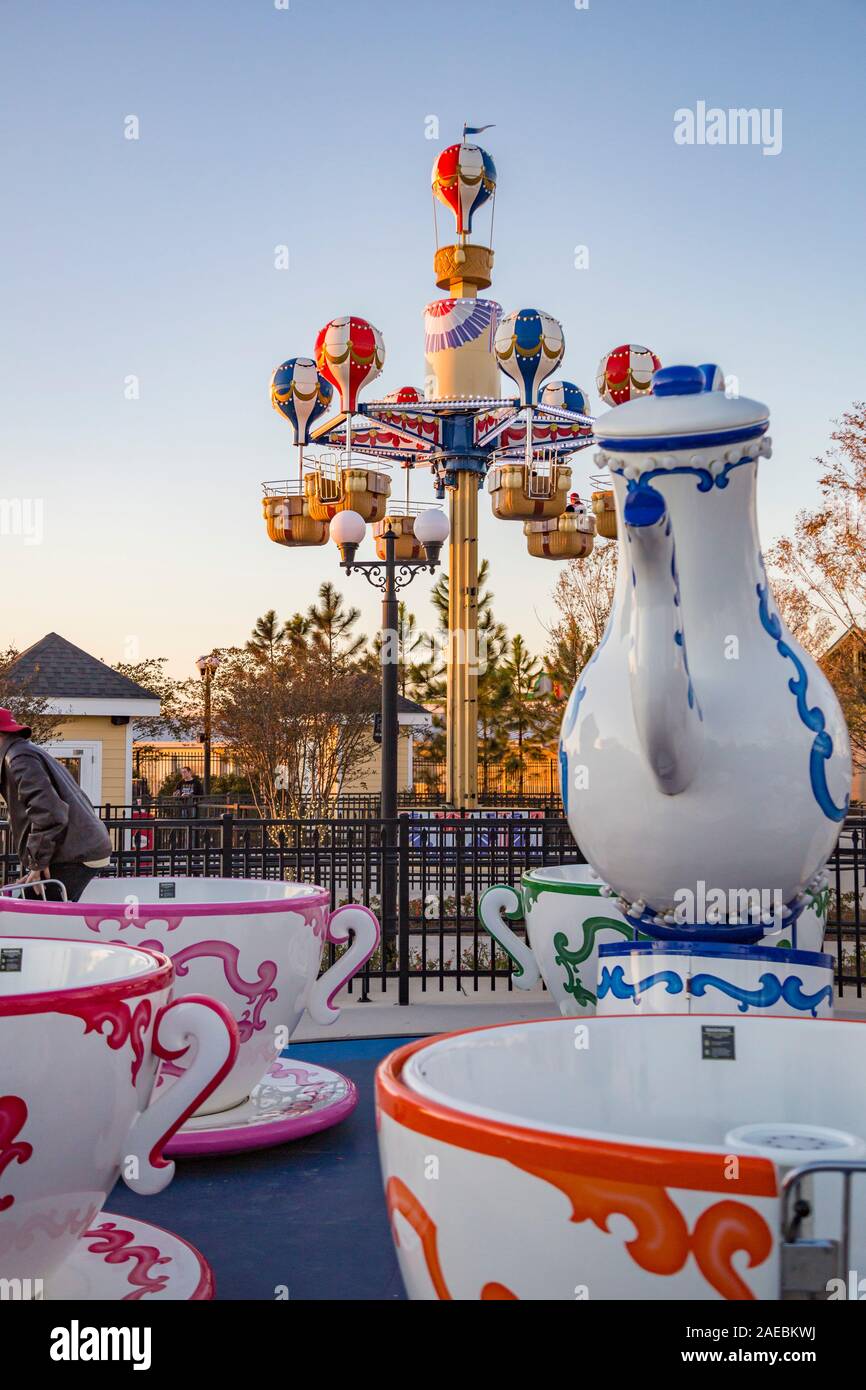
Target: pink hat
(8, 725)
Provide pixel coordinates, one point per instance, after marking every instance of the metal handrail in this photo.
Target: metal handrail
(22, 888)
(792, 1180)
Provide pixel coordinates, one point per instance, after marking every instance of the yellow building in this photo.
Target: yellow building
(98, 706)
(159, 759)
(412, 718)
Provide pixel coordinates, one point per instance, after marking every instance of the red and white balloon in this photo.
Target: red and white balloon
(626, 372)
(350, 353)
(406, 395)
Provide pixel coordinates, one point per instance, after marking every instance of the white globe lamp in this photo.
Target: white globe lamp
(431, 529)
(347, 531)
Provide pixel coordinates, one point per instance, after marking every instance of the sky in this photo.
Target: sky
(142, 311)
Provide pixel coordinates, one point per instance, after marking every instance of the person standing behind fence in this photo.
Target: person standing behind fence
(55, 830)
(189, 788)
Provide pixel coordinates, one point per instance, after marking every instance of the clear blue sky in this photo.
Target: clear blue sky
(261, 126)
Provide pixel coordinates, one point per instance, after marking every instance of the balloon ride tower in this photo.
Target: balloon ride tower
(460, 363)
(460, 427)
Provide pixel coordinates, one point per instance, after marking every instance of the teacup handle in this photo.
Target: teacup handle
(210, 1026)
(350, 918)
(495, 905)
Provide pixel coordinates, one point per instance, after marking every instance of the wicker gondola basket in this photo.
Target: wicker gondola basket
(289, 521)
(566, 537)
(362, 490)
(520, 492)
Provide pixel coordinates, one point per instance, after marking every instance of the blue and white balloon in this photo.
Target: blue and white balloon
(301, 394)
(564, 395)
(529, 345)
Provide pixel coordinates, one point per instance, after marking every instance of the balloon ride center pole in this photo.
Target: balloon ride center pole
(462, 703)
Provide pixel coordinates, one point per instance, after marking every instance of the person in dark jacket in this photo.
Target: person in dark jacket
(55, 830)
(188, 789)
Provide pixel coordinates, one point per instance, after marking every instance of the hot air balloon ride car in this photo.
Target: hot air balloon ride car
(287, 516)
(565, 537)
(529, 345)
(400, 517)
(520, 491)
(604, 507)
(300, 395)
(350, 354)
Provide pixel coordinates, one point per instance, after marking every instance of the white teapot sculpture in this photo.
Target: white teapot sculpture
(703, 753)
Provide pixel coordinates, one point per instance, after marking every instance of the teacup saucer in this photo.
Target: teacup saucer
(292, 1100)
(122, 1260)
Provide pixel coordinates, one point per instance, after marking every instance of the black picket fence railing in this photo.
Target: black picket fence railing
(423, 875)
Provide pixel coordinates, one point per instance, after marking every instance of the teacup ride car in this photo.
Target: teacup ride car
(83, 1028)
(665, 1157)
(589, 955)
(256, 945)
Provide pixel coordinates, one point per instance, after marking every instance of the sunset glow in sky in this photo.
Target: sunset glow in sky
(261, 126)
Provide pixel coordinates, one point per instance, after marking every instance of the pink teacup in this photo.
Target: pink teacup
(254, 944)
(84, 1027)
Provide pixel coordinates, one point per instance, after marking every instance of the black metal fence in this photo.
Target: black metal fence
(423, 875)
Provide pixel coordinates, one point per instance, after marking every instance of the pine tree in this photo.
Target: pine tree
(524, 710)
(330, 625)
(268, 637)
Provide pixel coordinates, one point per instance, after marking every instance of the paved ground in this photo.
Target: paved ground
(305, 1220)
(430, 1012)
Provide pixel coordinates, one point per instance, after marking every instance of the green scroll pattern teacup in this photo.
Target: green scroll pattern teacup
(566, 921)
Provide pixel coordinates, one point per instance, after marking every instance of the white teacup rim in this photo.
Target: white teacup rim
(156, 972)
(308, 895)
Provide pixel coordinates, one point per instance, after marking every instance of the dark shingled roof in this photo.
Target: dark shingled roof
(407, 706)
(55, 668)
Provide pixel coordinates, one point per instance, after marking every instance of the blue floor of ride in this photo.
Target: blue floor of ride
(308, 1217)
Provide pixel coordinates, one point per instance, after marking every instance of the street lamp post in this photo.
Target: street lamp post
(389, 576)
(206, 665)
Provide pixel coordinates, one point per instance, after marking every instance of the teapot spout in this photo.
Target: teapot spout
(666, 710)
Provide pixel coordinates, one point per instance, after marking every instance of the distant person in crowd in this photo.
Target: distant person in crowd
(573, 502)
(188, 788)
(55, 830)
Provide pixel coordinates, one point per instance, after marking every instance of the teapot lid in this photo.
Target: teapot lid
(686, 409)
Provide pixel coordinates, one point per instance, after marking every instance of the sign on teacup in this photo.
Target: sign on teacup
(256, 945)
(83, 1029)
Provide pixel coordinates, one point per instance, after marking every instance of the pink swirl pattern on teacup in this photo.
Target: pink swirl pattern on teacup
(13, 1117)
(126, 915)
(118, 1247)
